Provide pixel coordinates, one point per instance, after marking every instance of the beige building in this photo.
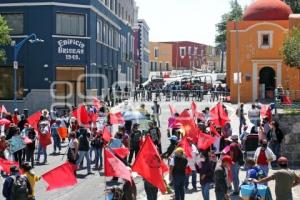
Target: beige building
(160, 56)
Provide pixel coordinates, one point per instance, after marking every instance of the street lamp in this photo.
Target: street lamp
(237, 54)
(32, 39)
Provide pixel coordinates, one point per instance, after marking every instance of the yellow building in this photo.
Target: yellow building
(161, 56)
(260, 37)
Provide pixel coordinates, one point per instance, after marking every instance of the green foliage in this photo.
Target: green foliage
(4, 37)
(291, 48)
(295, 5)
(235, 13)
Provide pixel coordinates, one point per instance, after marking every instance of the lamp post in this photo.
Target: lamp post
(32, 39)
(237, 54)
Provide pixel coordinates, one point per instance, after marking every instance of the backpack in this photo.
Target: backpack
(19, 189)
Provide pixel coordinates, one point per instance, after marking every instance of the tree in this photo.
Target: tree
(295, 5)
(291, 48)
(235, 13)
(4, 37)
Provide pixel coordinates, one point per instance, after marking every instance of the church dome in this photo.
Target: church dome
(267, 10)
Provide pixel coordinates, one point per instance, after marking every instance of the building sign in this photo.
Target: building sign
(71, 49)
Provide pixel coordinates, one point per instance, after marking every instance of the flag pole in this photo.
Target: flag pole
(105, 183)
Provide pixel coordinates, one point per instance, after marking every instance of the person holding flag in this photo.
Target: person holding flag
(178, 166)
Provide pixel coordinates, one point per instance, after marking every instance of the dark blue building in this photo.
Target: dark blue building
(88, 46)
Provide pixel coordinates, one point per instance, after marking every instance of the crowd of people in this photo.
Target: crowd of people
(182, 91)
(200, 143)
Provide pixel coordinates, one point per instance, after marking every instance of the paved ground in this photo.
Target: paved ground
(92, 187)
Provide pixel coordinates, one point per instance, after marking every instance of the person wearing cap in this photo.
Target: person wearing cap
(32, 178)
(178, 165)
(237, 157)
(253, 170)
(135, 139)
(9, 191)
(263, 156)
(284, 179)
(221, 187)
(173, 144)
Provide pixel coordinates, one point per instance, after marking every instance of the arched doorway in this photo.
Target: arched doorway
(267, 83)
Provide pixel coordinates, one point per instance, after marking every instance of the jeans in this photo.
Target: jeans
(85, 154)
(242, 123)
(275, 147)
(220, 195)
(151, 191)
(156, 117)
(98, 157)
(42, 150)
(194, 180)
(205, 191)
(178, 181)
(133, 151)
(30, 156)
(56, 143)
(18, 156)
(235, 176)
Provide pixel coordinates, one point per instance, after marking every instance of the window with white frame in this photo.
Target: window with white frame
(265, 39)
(156, 52)
(99, 30)
(15, 22)
(182, 51)
(195, 50)
(190, 51)
(70, 24)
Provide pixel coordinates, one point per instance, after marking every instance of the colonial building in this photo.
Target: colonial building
(255, 48)
(181, 55)
(88, 45)
(161, 56)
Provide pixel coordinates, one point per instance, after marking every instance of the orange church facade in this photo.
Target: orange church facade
(260, 37)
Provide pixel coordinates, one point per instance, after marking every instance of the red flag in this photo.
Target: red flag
(150, 166)
(44, 139)
(3, 109)
(188, 124)
(6, 164)
(218, 115)
(200, 115)
(81, 115)
(93, 116)
(172, 110)
(122, 152)
(266, 112)
(115, 167)
(4, 122)
(286, 100)
(34, 119)
(106, 134)
(96, 103)
(194, 108)
(116, 118)
(184, 143)
(61, 176)
(205, 141)
(214, 131)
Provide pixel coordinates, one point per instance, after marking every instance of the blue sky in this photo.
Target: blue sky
(192, 20)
